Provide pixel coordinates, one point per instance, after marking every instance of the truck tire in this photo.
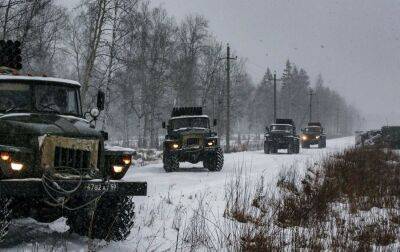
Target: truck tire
(273, 150)
(266, 148)
(297, 148)
(171, 162)
(290, 148)
(5, 217)
(111, 219)
(214, 161)
(322, 143)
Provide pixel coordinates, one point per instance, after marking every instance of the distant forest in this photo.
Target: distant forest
(147, 63)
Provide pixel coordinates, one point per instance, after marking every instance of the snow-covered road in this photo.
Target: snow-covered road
(172, 197)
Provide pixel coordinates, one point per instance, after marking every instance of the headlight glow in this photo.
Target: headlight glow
(317, 137)
(16, 166)
(118, 168)
(175, 146)
(5, 156)
(210, 143)
(304, 137)
(127, 160)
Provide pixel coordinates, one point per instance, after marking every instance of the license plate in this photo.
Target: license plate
(100, 187)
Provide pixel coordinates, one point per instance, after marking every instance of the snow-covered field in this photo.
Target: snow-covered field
(171, 200)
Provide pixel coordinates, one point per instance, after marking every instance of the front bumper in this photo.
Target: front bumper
(193, 155)
(89, 188)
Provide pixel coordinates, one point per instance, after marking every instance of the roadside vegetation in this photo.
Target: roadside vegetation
(350, 201)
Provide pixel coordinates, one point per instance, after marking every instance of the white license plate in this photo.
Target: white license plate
(100, 187)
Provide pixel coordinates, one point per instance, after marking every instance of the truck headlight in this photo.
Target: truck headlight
(210, 143)
(127, 160)
(175, 146)
(118, 168)
(16, 166)
(5, 156)
(304, 137)
(317, 137)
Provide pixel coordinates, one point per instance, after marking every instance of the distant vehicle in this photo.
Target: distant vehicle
(190, 139)
(281, 135)
(54, 163)
(387, 137)
(313, 134)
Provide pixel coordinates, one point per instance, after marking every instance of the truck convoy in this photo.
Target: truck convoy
(281, 135)
(313, 134)
(190, 139)
(53, 162)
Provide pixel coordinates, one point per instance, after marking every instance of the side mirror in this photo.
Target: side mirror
(101, 97)
(163, 125)
(215, 122)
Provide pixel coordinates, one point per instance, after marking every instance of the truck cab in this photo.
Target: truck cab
(54, 162)
(190, 139)
(281, 135)
(313, 134)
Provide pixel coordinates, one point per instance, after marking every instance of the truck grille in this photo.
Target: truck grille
(65, 157)
(192, 141)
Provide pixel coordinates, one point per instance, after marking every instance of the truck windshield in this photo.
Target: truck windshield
(35, 97)
(189, 122)
(312, 130)
(287, 128)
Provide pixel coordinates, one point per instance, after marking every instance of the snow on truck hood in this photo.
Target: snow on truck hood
(39, 79)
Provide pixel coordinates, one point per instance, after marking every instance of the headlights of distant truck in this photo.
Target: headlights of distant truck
(317, 137)
(5, 156)
(118, 168)
(16, 166)
(211, 142)
(175, 146)
(304, 137)
(127, 160)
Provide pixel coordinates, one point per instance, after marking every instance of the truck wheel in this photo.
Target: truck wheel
(171, 162)
(322, 143)
(297, 148)
(111, 219)
(290, 148)
(5, 217)
(214, 161)
(273, 150)
(266, 148)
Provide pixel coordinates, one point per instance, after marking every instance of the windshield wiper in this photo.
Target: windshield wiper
(49, 106)
(20, 107)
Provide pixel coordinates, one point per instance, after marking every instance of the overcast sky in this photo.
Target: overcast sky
(353, 44)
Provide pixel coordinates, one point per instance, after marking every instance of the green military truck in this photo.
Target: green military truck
(281, 135)
(313, 134)
(54, 163)
(190, 139)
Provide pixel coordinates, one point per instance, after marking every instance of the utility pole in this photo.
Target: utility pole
(275, 100)
(228, 97)
(311, 95)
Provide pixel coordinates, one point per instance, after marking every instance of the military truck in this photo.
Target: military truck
(313, 134)
(281, 135)
(190, 139)
(386, 137)
(54, 163)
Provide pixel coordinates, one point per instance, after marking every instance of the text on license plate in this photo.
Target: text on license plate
(101, 187)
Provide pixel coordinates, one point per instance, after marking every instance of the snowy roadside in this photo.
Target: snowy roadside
(173, 198)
